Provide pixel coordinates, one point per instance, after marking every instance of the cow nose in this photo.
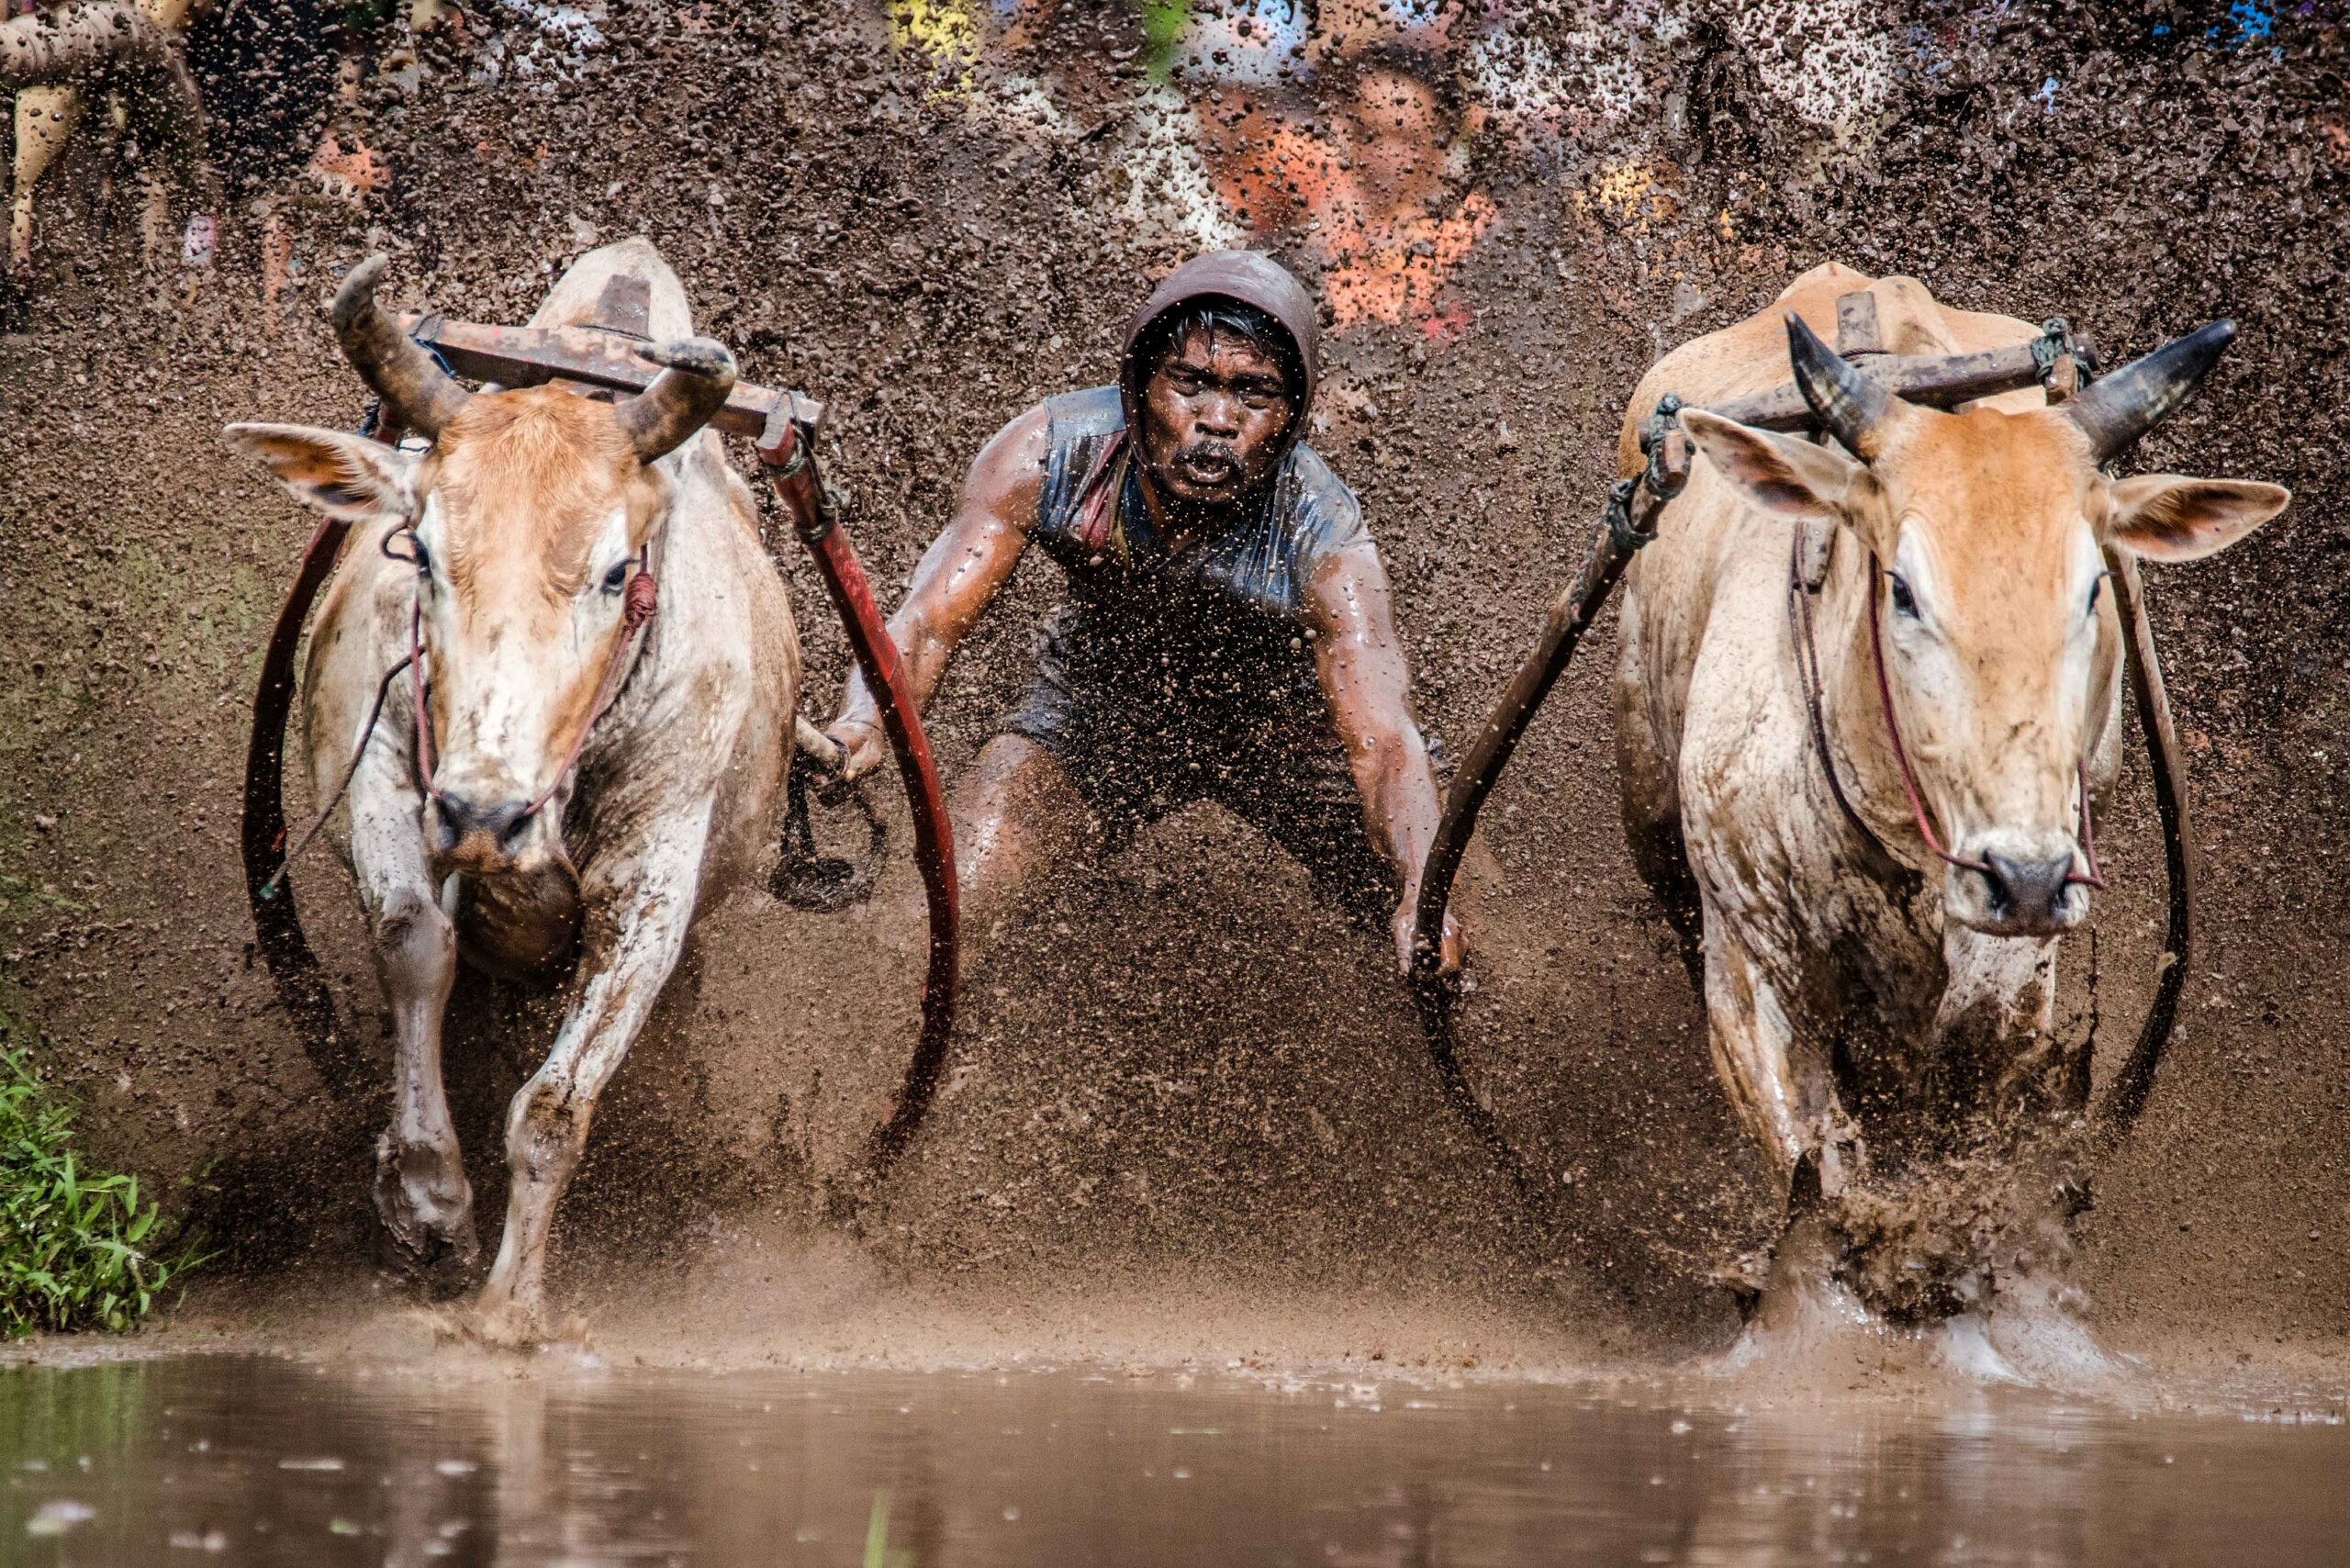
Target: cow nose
(2030, 891)
(461, 818)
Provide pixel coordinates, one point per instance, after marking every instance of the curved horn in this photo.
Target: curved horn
(699, 374)
(1841, 398)
(2117, 410)
(418, 393)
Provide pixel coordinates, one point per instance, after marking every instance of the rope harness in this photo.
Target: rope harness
(1807, 669)
(639, 602)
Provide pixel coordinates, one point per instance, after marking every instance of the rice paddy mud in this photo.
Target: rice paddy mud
(1189, 1120)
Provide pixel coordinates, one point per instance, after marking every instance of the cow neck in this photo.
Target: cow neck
(1808, 670)
(639, 602)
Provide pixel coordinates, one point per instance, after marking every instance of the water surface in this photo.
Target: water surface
(259, 1459)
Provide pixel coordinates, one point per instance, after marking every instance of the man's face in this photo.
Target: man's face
(1214, 413)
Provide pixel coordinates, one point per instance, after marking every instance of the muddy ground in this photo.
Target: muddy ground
(1236, 1098)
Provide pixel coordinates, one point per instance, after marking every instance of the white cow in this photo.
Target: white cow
(593, 775)
(1880, 1002)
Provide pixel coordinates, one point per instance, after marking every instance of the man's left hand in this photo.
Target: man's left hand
(1406, 928)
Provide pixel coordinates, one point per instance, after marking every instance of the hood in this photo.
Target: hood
(1250, 278)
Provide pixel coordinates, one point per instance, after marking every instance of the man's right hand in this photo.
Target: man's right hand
(864, 746)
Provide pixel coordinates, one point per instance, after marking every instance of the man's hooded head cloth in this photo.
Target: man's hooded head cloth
(1244, 277)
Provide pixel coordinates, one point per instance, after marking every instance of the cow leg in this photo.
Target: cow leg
(1779, 1083)
(637, 931)
(1754, 1055)
(421, 1193)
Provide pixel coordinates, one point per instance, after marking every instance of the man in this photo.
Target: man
(1227, 634)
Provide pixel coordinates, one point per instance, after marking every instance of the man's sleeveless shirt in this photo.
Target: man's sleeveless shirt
(1214, 637)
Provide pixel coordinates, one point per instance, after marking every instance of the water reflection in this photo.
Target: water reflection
(262, 1461)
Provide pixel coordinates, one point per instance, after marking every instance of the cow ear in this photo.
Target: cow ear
(1778, 473)
(345, 476)
(2170, 517)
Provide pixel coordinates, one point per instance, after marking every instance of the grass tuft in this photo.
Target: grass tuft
(77, 1247)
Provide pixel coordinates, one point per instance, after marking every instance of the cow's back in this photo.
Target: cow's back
(1718, 566)
(1752, 355)
(573, 299)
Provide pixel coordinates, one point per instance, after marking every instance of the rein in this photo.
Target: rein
(1808, 669)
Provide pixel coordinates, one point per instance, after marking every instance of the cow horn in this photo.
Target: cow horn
(417, 392)
(1841, 398)
(699, 374)
(2121, 407)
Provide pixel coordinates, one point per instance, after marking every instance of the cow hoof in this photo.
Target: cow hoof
(506, 1325)
(427, 1208)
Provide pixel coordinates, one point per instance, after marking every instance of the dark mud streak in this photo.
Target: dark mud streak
(1240, 1090)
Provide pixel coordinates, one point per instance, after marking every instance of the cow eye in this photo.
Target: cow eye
(2095, 588)
(617, 578)
(1903, 600)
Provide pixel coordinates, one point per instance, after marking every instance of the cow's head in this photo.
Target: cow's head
(1999, 636)
(529, 517)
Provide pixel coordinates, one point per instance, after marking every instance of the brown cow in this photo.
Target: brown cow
(594, 778)
(1877, 1008)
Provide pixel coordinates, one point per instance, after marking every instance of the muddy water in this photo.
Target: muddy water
(260, 1459)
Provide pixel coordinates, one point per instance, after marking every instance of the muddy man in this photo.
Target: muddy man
(1228, 634)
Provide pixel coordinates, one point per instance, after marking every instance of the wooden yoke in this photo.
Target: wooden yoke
(602, 356)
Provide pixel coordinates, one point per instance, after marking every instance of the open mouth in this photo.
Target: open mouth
(1208, 467)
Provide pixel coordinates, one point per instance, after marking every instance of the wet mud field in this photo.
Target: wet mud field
(1189, 1117)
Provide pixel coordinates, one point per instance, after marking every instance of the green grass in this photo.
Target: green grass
(77, 1247)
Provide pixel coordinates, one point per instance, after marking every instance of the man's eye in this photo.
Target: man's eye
(1903, 600)
(617, 578)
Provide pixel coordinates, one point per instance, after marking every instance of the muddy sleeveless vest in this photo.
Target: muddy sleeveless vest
(1214, 637)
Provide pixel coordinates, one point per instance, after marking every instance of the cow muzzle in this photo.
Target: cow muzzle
(2018, 883)
(484, 832)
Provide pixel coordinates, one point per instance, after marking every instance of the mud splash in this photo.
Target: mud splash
(1240, 1094)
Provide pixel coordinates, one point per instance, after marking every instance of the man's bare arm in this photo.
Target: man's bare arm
(1364, 679)
(959, 575)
